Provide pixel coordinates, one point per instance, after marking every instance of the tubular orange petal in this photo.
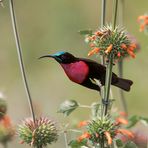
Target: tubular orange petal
(146, 21)
(92, 45)
(142, 27)
(94, 51)
(108, 137)
(121, 121)
(98, 33)
(125, 132)
(123, 46)
(84, 136)
(82, 123)
(133, 45)
(131, 53)
(109, 48)
(6, 121)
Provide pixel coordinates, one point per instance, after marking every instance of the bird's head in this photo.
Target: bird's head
(61, 57)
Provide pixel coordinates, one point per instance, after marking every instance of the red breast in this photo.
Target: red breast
(77, 71)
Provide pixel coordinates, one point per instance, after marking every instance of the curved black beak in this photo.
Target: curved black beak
(47, 56)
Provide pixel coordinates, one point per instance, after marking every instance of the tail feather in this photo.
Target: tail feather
(124, 84)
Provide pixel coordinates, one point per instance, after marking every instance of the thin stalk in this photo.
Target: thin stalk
(108, 83)
(122, 97)
(20, 58)
(115, 13)
(103, 14)
(109, 67)
(120, 63)
(65, 138)
(85, 106)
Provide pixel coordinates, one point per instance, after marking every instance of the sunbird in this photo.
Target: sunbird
(82, 71)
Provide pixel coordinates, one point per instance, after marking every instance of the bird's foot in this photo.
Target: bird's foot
(105, 102)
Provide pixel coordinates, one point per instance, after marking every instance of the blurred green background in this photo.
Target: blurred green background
(47, 26)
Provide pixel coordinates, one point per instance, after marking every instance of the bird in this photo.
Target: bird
(82, 71)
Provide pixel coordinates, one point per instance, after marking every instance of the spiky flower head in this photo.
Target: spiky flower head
(104, 129)
(7, 131)
(3, 107)
(38, 134)
(110, 42)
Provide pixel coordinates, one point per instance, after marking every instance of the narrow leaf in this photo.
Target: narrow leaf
(85, 32)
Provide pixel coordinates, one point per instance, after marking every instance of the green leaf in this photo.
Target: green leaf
(85, 32)
(133, 120)
(67, 107)
(130, 144)
(119, 143)
(77, 144)
(144, 120)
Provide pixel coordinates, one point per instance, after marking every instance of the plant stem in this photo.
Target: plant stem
(122, 98)
(109, 67)
(20, 58)
(115, 13)
(65, 137)
(120, 63)
(84, 106)
(103, 12)
(107, 84)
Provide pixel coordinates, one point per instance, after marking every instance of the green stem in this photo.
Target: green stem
(109, 67)
(122, 97)
(115, 13)
(103, 12)
(20, 57)
(108, 84)
(65, 138)
(85, 106)
(120, 63)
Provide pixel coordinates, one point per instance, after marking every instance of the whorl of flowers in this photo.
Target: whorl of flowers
(104, 129)
(143, 21)
(108, 41)
(7, 131)
(38, 134)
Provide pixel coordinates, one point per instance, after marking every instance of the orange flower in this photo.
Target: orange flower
(98, 33)
(141, 17)
(92, 45)
(133, 46)
(108, 137)
(84, 136)
(142, 27)
(121, 121)
(126, 132)
(93, 37)
(6, 121)
(131, 53)
(83, 123)
(124, 114)
(123, 46)
(94, 51)
(109, 48)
